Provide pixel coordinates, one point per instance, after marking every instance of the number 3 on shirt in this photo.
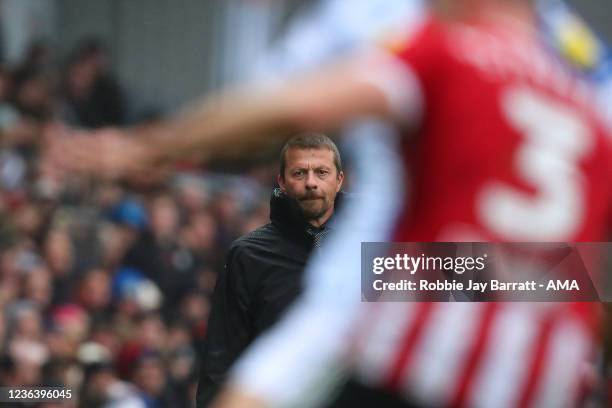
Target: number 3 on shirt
(555, 139)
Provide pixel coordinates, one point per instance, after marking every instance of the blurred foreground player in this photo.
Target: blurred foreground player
(523, 159)
(499, 129)
(333, 30)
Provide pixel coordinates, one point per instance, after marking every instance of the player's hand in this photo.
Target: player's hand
(235, 398)
(108, 153)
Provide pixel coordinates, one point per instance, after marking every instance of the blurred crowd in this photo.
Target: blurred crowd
(105, 286)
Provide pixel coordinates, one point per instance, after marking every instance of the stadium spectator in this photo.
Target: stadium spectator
(37, 286)
(93, 97)
(102, 387)
(152, 380)
(94, 292)
(32, 94)
(162, 257)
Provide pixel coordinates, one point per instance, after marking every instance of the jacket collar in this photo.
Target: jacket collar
(286, 215)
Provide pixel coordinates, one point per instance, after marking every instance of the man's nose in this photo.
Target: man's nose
(311, 181)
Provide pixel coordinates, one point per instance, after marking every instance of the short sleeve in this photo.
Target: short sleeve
(406, 72)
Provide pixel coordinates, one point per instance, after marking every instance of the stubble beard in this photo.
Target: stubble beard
(314, 212)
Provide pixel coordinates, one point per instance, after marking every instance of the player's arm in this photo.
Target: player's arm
(236, 398)
(374, 84)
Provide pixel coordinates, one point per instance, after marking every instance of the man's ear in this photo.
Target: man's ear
(340, 181)
(281, 183)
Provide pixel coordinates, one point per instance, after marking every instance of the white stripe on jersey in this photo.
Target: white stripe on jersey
(377, 348)
(506, 358)
(440, 356)
(566, 354)
(449, 334)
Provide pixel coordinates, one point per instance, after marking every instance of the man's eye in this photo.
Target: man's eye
(323, 172)
(298, 173)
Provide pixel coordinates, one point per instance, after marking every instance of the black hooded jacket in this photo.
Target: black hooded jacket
(262, 276)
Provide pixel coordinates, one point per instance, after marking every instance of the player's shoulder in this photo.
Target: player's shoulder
(424, 32)
(435, 43)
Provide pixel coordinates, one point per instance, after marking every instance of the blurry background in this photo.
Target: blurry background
(170, 51)
(105, 287)
(167, 51)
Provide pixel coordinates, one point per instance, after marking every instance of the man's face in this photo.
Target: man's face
(312, 179)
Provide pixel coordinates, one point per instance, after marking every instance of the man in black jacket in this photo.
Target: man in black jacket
(263, 272)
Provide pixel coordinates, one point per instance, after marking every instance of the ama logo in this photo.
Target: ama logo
(562, 285)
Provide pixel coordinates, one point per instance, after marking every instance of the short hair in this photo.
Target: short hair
(310, 140)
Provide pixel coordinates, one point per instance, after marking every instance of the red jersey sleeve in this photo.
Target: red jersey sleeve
(424, 54)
